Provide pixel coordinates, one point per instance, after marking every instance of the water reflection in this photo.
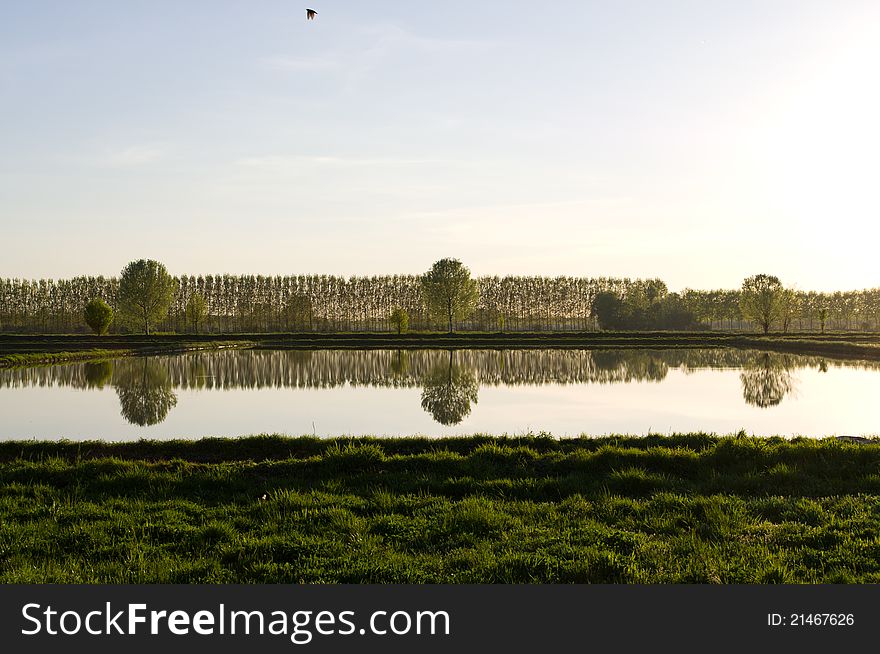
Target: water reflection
(97, 375)
(448, 392)
(144, 390)
(767, 378)
(450, 380)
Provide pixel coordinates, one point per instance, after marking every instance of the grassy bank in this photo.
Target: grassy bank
(32, 349)
(52, 352)
(690, 508)
(48, 358)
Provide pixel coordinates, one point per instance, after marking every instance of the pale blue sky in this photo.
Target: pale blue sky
(691, 140)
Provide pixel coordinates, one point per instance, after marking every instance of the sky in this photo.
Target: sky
(699, 142)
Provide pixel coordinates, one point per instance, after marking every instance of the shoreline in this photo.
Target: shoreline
(279, 447)
(27, 350)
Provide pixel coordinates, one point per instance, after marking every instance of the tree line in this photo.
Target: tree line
(146, 298)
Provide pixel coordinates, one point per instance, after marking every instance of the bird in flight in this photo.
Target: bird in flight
(310, 14)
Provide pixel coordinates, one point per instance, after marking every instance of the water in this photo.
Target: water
(440, 392)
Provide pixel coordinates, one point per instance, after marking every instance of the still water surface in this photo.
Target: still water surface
(441, 392)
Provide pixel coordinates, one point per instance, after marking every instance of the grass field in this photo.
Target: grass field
(679, 509)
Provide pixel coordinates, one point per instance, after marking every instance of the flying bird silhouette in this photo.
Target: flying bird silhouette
(310, 14)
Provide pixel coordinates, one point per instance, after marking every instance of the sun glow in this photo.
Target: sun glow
(823, 144)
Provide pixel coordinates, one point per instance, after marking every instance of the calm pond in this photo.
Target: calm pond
(441, 392)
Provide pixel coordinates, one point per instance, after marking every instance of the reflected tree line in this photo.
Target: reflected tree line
(449, 379)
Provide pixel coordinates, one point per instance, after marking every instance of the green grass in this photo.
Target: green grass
(16, 353)
(51, 358)
(680, 509)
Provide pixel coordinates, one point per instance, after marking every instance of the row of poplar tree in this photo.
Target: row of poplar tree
(326, 303)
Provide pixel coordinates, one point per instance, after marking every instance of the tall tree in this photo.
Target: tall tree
(789, 307)
(762, 300)
(145, 293)
(196, 310)
(449, 291)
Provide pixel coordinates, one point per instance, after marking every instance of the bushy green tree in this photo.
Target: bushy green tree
(762, 300)
(449, 291)
(788, 307)
(662, 311)
(145, 293)
(98, 316)
(400, 320)
(609, 311)
(671, 312)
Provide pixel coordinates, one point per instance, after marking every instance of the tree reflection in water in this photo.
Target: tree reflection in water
(144, 391)
(448, 392)
(450, 379)
(400, 364)
(767, 379)
(97, 374)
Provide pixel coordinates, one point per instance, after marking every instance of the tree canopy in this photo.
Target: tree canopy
(327, 303)
(400, 320)
(642, 310)
(145, 293)
(98, 316)
(763, 300)
(449, 291)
